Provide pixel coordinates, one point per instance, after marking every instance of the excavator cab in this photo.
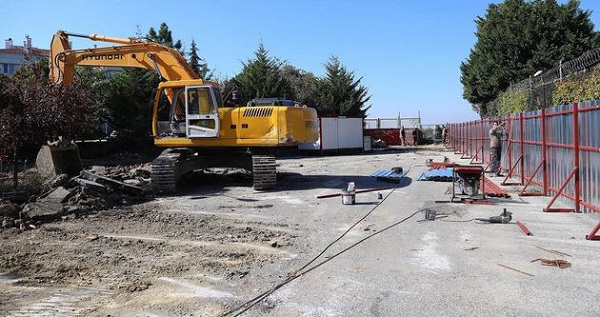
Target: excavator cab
(190, 111)
(202, 111)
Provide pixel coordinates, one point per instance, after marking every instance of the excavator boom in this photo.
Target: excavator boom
(132, 52)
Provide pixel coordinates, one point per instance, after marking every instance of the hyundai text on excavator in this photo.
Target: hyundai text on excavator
(189, 117)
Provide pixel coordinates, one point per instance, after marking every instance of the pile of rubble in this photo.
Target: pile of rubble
(96, 188)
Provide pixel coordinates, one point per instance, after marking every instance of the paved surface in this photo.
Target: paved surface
(440, 267)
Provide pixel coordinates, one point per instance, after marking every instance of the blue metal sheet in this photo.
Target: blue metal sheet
(441, 175)
(388, 175)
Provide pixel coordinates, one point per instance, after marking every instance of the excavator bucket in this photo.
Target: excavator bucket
(54, 160)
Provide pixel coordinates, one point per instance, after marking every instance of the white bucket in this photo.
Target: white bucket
(348, 198)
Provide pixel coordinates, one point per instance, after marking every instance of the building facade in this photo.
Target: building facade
(13, 57)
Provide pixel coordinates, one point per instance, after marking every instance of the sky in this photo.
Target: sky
(407, 52)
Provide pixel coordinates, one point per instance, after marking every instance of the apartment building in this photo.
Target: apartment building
(12, 57)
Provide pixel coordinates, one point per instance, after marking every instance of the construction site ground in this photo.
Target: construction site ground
(219, 244)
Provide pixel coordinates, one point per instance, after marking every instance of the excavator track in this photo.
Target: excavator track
(264, 172)
(164, 173)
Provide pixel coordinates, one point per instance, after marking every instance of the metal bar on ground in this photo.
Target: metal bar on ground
(358, 192)
(552, 251)
(524, 228)
(510, 268)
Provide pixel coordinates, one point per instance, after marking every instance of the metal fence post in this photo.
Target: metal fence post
(482, 142)
(576, 154)
(544, 152)
(509, 145)
(522, 147)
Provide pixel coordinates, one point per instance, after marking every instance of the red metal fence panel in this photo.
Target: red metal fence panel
(551, 152)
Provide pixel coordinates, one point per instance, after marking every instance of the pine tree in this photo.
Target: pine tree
(198, 63)
(261, 78)
(340, 93)
(164, 37)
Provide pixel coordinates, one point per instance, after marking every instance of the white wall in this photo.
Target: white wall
(337, 134)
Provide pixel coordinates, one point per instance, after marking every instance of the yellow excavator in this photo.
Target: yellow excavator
(189, 117)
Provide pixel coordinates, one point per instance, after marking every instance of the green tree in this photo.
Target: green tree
(198, 63)
(261, 78)
(302, 83)
(129, 108)
(164, 37)
(340, 94)
(515, 39)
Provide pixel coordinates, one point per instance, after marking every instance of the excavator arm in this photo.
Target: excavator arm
(133, 52)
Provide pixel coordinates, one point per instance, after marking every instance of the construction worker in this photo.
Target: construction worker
(402, 136)
(497, 133)
(445, 134)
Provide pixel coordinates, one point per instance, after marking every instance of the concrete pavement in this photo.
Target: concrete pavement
(447, 267)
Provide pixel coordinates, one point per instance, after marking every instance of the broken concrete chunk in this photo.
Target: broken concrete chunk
(8, 222)
(88, 176)
(134, 182)
(141, 172)
(43, 210)
(71, 209)
(98, 169)
(113, 183)
(60, 195)
(8, 209)
(91, 185)
(126, 188)
(58, 180)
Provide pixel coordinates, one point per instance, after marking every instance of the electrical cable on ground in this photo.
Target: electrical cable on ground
(304, 269)
(460, 220)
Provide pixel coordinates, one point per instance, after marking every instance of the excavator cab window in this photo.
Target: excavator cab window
(191, 112)
(200, 101)
(171, 115)
(178, 109)
(165, 113)
(177, 113)
(202, 110)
